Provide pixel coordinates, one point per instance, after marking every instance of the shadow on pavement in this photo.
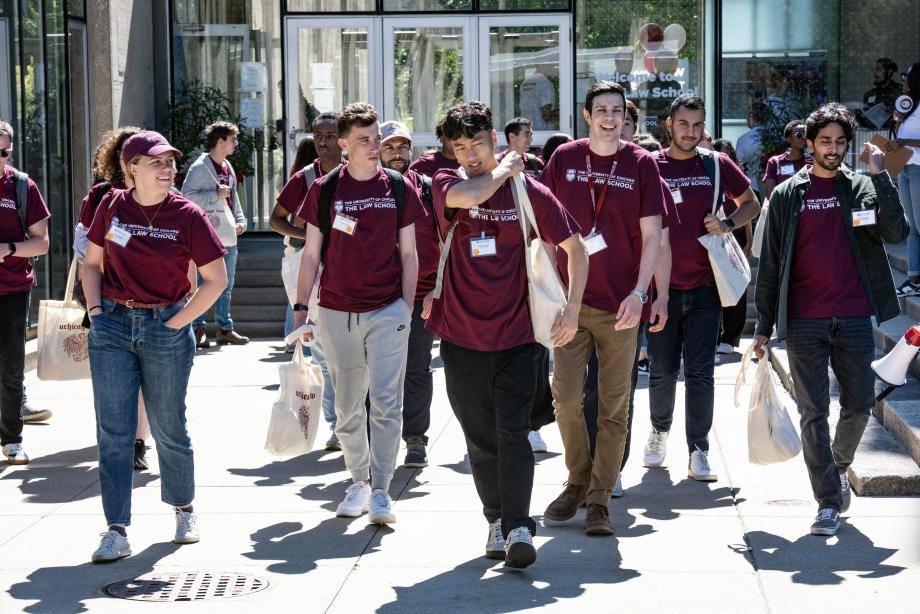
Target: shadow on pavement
(820, 560)
(64, 589)
(462, 467)
(662, 499)
(471, 587)
(278, 473)
(63, 477)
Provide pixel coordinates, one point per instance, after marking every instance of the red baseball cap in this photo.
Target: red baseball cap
(146, 143)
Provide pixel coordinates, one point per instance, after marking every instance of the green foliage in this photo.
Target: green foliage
(193, 108)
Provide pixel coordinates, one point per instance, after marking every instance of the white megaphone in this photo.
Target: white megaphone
(892, 368)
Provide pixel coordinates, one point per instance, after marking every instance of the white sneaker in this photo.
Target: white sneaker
(15, 455)
(519, 550)
(699, 467)
(656, 449)
(356, 502)
(186, 527)
(381, 508)
(725, 348)
(617, 491)
(112, 547)
(536, 442)
(495, 546)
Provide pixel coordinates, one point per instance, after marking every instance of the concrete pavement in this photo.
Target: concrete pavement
(736, 545)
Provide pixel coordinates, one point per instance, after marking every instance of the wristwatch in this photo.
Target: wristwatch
(643, 296)
(12, 247)
(299, 307)
(730, 223)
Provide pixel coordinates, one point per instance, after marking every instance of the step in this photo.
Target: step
(910, 306)
(257, 313)
(267, 295)
(900, 413)
(258, 278)
(890, 332)
(253, 328)
(883, 464)
(897, 255)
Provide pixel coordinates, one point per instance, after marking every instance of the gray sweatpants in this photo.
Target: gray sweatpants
(367, 352)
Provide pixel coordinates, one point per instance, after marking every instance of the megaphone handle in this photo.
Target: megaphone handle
(884, 393)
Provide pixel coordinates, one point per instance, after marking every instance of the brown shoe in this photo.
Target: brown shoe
(566, 504)
(201, 338)
(597, 520)
(231, 337)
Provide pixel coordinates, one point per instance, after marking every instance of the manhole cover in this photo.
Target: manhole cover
(186, 586)
(787, 502)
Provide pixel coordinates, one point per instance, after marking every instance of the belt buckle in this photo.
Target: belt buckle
(128, 304)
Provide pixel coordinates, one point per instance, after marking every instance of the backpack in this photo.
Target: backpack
(327, 191)
(22, 200)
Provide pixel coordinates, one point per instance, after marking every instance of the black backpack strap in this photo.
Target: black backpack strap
(22, 200)
(398, 184)
(326, 192)
(428, 201)
(710, 165)
(103, 188)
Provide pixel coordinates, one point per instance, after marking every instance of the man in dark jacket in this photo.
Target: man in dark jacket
(823, 273)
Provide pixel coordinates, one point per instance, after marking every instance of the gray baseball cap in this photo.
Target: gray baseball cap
(393, 129)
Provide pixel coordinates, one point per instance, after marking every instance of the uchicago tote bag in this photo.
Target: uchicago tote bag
(63, 343)
(295, 414)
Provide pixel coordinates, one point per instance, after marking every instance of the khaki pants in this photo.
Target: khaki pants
(615, 354)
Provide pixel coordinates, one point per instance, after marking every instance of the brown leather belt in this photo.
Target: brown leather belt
(132, 304)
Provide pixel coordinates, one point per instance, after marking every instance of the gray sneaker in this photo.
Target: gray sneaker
(30, 414)
(495, 546)
(617, 491)
(846, 494)
(415, 456)
(186, 527)
(113, 546)
(15, 455)
(827, 522)
(519, 550)
(332, 444)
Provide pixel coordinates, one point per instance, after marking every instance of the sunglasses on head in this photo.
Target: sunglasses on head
(799, 134)
(5, 153)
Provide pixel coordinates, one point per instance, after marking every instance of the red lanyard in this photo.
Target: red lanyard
(598, 203)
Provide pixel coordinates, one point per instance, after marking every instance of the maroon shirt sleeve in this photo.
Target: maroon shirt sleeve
(734, 181)
(97, 227)
(204, 246)
(548, 175)
(770, 171)
(669, 215)
(555, 225)
(37, 209)
(413, 210)
(441, 184)
(651, 202)
(91, 203)
(292, 194)
(309, 211)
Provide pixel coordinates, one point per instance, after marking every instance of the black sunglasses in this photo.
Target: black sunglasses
(5, 153)
(799, 134)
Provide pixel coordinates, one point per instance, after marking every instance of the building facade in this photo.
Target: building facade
(76, 68)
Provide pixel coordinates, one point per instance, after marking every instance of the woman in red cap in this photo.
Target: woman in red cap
(141, 241)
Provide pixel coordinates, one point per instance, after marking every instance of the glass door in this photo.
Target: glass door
(526, 71)
(330, 63)
(429, 65)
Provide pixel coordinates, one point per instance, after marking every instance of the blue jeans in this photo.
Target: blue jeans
(131, 349)
(847, 344)
(288, 320)
(222, 306)
(692, 330)
(909, 188)
(316, 350)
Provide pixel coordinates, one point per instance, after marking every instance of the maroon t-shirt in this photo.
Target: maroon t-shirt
(362, 271)
(633, 192)
(824, 281)
(153, 266)
(690, 266)
(92, 199)
(780, 168)
(426, 244)
(533, 165)
(16, 274)
(223, 175)
(431, 162)
(483, 304)
(294, 191)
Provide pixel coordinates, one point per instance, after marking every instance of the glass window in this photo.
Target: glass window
(433, 57)
(228, 53)
(653, 49)
(524, 74)
(333, 70)
(330, 6)
(427, 5)
(76, 8)
(523, 5)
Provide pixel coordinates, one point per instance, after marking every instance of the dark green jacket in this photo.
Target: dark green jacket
(854, 191)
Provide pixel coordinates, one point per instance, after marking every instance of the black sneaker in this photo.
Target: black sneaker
(908, 288)
(416, 457)
(846, 494)
(140, 455)
(826, 523)
(642, 366)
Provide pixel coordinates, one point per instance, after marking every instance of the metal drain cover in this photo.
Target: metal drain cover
(787, 502)
(186, 586)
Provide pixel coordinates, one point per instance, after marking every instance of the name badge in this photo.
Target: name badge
(864, 217)
(870, 99)
(787, 169)
(482, 246)
(594, 242)
(676, 195)
(118, 235)
(345, 224)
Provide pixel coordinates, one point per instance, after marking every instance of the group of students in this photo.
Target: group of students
(396, 252)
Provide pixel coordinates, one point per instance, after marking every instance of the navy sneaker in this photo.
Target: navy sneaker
(826, 523)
